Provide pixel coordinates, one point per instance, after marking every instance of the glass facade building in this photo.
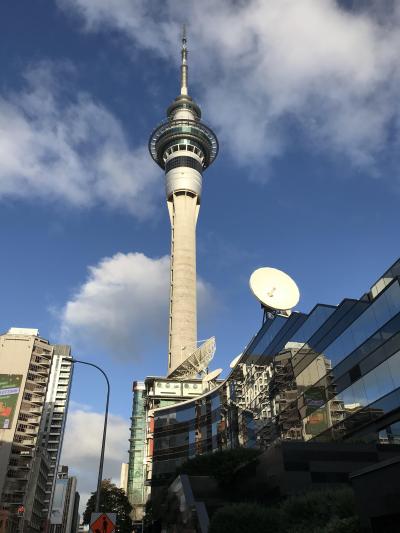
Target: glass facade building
(188, 429)
(332, 374)
(136, 469)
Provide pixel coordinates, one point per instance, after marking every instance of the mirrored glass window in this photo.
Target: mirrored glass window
(394, 368)
(372, 319)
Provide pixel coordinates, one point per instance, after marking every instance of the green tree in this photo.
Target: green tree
(318, 511)
(222, 466)
(112, 500)
(245, 517)
(323, 511)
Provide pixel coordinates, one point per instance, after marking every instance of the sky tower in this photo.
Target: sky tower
(183, 147)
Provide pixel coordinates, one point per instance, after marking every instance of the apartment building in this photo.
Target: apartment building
(55, 414)
(32, 419)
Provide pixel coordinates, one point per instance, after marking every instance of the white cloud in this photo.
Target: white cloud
(69, 149)
(264, 64)
(123, 306)
(85, 426)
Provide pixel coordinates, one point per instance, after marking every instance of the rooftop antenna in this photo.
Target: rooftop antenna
(184, 65)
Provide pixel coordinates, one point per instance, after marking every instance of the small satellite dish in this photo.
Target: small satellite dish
(274, 289)
(212, 375)
(235, 361)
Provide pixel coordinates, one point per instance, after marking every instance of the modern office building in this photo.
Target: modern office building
(26, 448)
(330, 375)
(64, 513)
(149, 395)
(137, 453)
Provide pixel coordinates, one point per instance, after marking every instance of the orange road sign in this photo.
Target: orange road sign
(103, 522)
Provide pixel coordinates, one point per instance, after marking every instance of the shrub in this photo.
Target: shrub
(245, 517)
(343, 525)
(316, 509)
(222, 465)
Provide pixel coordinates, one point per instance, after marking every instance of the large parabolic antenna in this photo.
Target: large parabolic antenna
(197, 362)
(274, 289)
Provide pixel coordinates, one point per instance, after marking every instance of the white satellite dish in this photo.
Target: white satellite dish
(196, 362)
(212, 375)
(235, 361)
(274, 289)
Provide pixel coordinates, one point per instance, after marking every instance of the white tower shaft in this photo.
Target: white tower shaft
(183, 208)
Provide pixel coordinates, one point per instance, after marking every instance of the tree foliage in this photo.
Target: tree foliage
(328, 511)
(248, 517)
(222, 466)
(112, 500)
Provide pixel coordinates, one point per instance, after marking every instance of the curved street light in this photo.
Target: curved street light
(100, 475)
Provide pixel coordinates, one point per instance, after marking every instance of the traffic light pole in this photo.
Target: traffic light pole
(103, 444)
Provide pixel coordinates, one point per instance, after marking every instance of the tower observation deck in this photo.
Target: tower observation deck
(183, 147)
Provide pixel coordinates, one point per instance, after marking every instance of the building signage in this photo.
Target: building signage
(10, 386)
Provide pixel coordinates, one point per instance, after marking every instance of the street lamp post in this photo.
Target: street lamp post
(100, 476)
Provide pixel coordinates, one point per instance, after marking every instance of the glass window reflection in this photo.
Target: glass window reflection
(373, 318)
(375, 391)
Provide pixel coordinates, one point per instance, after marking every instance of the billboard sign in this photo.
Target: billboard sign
(10, 386)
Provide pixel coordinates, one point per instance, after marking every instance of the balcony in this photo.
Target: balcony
(33, 398)
(25, 430)
(13, 499)
(17, 474)
(15, 486)
(30, 409)
(38, 371)
(24, 441)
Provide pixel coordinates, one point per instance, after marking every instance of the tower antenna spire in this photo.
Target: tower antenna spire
(184, 65)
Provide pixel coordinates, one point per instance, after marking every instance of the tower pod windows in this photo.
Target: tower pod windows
(184, 161)
(183, 147)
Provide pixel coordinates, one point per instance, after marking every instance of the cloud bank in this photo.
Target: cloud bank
(69, 148)
(267, 68)
(122, 307)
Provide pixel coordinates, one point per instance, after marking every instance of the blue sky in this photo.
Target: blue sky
(304, 100)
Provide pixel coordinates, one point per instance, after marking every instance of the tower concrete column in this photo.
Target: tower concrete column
(183, 207)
